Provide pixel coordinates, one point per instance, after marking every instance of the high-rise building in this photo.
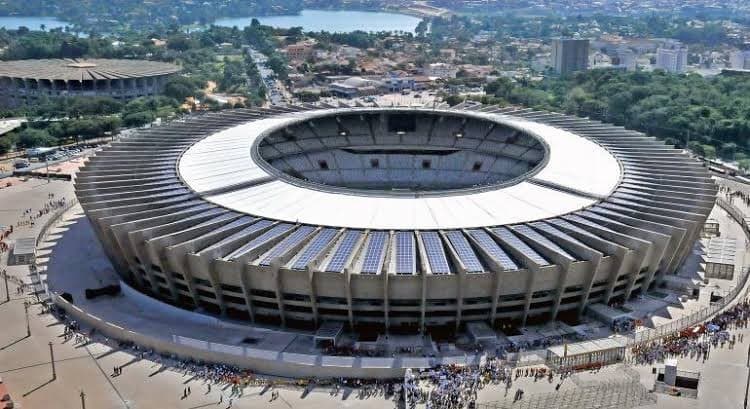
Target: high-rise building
(673, 59)
(570, 55)
(740, 60)
(626, 59)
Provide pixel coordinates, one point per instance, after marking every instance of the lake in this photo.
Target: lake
(333, 21)
(32, 23)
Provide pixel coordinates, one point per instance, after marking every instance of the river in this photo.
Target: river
(334, 21)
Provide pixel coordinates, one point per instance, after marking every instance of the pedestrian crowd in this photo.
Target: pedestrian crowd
(29, 215)
(457, 386)
(697, 342)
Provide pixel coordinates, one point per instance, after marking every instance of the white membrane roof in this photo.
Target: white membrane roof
(223, 170)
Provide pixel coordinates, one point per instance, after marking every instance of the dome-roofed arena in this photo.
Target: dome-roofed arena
(27, 81)
(394, 219)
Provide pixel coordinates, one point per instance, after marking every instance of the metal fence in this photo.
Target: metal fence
(652, 334)
(38, 285)
(613, 394)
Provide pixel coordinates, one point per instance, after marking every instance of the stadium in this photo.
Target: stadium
(25, 82)
(394, 219)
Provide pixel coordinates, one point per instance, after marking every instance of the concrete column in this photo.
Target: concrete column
(176, 261)
(279, 291)
(497, 275)
(313, 294)
(386, 292)
(670, 372)
(423, 281)
(213, 277)
(348, 292)
(246, 287)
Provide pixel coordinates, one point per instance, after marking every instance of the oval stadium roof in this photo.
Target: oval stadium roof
(84, 69)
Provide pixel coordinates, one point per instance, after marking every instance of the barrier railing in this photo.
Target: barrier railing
(611, 394)
(649, 335)
(41, 236)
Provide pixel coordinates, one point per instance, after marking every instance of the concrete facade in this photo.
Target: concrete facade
(171, 243)
(32, 81)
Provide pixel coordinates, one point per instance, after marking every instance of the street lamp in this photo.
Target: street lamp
(7, 289)
(26, 311)
(52, 360)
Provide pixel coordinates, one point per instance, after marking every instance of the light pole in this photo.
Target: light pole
(7, 289)
(26, 311)
(52, 359)
(83, 400)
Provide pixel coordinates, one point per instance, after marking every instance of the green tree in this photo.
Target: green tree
(32, 138)
(709, 151)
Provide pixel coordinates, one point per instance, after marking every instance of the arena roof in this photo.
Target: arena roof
(223, 170)
(597, 189)
(84, 69)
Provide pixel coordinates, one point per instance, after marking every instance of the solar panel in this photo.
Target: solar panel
(586, 222)
(374, 254)
(513, 241)
(489, 245)
(538, 237)
(549, 228)
(602, 219)
(405, 257)
(465, 252)
(344, 249)
(570, 226)
(284, 245)
(314, 249)
(435, 252)
(275, 232)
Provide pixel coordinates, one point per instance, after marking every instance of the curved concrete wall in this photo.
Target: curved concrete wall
(171, 244)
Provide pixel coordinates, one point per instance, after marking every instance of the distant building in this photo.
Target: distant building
(27, 82)
(448, 54)
(396, 83)
(626, 59)
(673, 59)
(740, 60)
(355, 87)
(299, 51)
(441, 70)
(570, 55)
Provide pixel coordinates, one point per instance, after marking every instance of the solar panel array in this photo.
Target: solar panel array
(374, 255)
(284, 245)
(264, 238)
(570, 226)
(513, 241)
(316, 246)
(538, 237)
(405, 253)
(546, 227)
(338, 261)
(647, 169)
(465, 252)
(435, 253)
(489, 245)
(586, 222)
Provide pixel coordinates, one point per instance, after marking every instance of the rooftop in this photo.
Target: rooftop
(84, 70)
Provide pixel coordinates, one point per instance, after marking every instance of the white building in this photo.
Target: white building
(740, 60)
(626, 59)
(441, 70)
(672, 60)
